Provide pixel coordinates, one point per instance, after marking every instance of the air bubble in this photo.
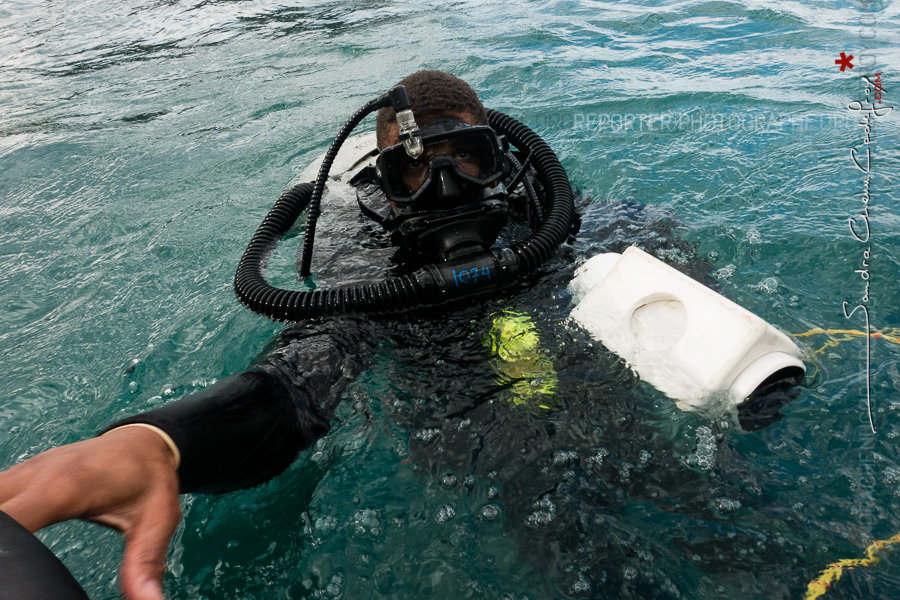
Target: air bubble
(581, 585)
(427, 435)
(449, 481)
(705, 452)
(544, 515)
(366, 521)
(727, 505)
(445, 513)
(562, 458)
(598, 456)
(725, 272)
(325, 524)
(768, 286)
(335, 587)
(489, 513)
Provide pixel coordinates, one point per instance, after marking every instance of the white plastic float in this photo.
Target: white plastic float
(694, 345)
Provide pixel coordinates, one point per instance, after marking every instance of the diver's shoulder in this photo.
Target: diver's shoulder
(355, 153)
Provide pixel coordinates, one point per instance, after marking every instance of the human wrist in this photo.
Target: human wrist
(151, 438)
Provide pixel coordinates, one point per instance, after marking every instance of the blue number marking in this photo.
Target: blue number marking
(470, 274)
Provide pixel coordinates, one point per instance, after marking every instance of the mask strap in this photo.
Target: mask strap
(368, 175)
(517, 178)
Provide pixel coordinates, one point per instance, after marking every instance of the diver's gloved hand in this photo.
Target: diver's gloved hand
(125, 480)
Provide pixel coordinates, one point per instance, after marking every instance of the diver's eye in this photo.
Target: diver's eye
(466, 152)
(467, 161)
(414, 173)
(412, 164)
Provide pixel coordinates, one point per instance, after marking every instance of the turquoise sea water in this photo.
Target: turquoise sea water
(142, 142)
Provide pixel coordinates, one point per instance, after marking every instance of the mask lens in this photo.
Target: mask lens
(414, 171)
(473, 153)
(463, 155)
(467, 159)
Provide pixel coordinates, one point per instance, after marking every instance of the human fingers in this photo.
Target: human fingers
(146, 544)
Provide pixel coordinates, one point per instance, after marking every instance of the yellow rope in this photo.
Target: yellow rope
(833, 573)
(889, 335)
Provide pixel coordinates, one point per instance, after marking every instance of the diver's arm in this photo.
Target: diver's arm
(248, 427)
(236, 433)
(239, 432)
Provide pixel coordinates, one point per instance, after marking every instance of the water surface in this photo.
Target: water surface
(142, 142)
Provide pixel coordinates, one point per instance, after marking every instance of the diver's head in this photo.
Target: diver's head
(449, 201)
(433, 94)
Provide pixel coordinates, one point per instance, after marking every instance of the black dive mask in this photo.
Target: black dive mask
(449, 202)
(457, 162)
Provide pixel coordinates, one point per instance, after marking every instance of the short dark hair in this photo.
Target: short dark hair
(433, 94)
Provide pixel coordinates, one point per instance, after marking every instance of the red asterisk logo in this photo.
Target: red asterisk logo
(844, 61)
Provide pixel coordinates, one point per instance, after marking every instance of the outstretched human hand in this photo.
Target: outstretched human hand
(125, 479)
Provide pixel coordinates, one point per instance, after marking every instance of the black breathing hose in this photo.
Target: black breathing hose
(430, 285)
(312, 217)
(552, 232)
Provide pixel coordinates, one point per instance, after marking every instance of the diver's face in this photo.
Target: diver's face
(415, 170)
(440, 206)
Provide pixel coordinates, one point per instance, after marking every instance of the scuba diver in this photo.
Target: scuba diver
(464, 223)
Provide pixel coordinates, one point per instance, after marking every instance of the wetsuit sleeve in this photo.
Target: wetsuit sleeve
(239, 432)
(29, 570)
(248, 427)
